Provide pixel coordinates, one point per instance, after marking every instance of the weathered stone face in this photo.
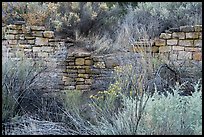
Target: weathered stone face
(48, 34)
(80, 61)
(41, 41)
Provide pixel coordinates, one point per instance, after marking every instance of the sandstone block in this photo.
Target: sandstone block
(41, 41)
(37, 33)
(165, 49)
(12, 42)
(71, 71)
(80, 87)
(165, 36)
(186, 28)
(31, 41)
(160, 42)
(79, 79)
(197, 56)
(88, 81)
(10, 36)
(172, 42)
(29, 37)
(186, 43)
(88, 62)
(184, 55)
(198, 27)
(155, 49)
(10, 31)
(47, 49)
(192, 35)
(43, 54)
(14, 27)
(25, 46)
(192, 49)
(81, 71)
(83, 75)
(88, 70)
(70, 63)
(36, 49)
(48, 34)
(198, 43)
(79, 61)
(37, 28)
(179, 35)
(177, 48)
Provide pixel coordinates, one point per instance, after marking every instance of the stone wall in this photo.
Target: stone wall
(70, 67)
(176, 44)
(39, 45)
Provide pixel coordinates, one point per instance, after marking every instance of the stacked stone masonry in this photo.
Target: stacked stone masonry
(80, 70)
(176, 44)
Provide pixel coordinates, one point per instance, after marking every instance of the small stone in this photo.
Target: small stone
(197, 56)
(81, 71)
(83, 75)
(185, 43)
(79, 79)
(36, 49)
(88, 62)
(79, 61)
(192, 35)
(177, 48)
(10, 36)
(37, 33)
(80, 87)
(198, 28)
(160, 42)
(37, 28)
(48, 34)
(186, 28)
(198, 43)
(41, 41)
(165, 49)
(165, 36)
(179, 35)
(172, 42)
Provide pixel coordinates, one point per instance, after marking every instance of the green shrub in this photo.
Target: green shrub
(173, 115)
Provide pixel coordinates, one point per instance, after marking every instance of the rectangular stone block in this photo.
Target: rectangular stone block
(81, 87)
(25, 46)
(197, 56)
(192, 49)
(88, 62)
(177, 48)
(186, 28)
(186, 43)
(198, 43)
(179, 35)
(10, 31)
(70, 63)
(159, 42)
(184, 55)
(31, 41)
(172, 42)
(81, 71)
(79, 79)
(36, 49)
(79, 61)
(37, 33)
(165, 49)
(12, 42)
(83, 75)
(165, 36)
(192, 35)
(37, 28)
(41, 41)
(47, 49)
(43, 54)
(48, 34)
(198, 28)
(155, 49)
(10, 36)
(88, 81)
